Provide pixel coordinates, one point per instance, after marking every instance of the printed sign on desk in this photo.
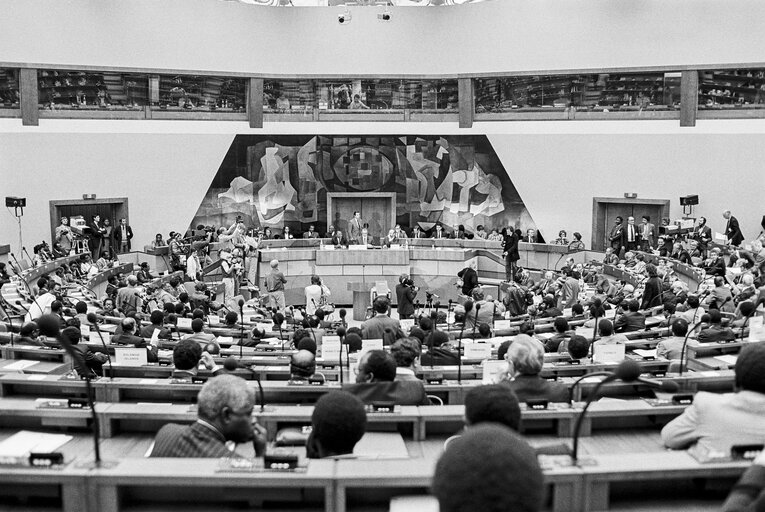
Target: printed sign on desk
(608, 353)
(492, 370)
(475, 350)
(502, 325)
(330, 348)
(85, 330)
(358, 247)
(184, 323)
(130, 356)
(406, 324)
(213, 320)
(367, 345)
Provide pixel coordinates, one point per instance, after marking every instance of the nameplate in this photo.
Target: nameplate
(537, 404)
(608, 353)
(213, 320)
(383, 407)
(406, 324)
(502, 325)
(477, 350)
(130, 356)
(492, 371)
(367, 345)
(183, 323)
(357, 247)
(331, 348)
(327, 247)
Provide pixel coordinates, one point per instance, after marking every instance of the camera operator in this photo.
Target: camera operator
(316, 295)
(406, 291)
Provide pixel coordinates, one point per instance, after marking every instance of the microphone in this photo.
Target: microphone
(94, 321)
(241, 327)
(231, 365)
(341, 332)
(448, 311)
(278, 320)
(18, 303)
(314, 304)
(468, 308)
(627, 371)
(10, 320)
(49, 327)
(342, 313)
(704, 318)
(475, 321)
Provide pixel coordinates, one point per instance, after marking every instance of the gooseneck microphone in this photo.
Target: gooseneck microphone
(231, 365)
(94, 322)
(468, 308)
(241, 327)
(704, 318)
(448, 312)
(342, 313)
(475, 321)
(341, 332)
(10, 320)
(278, 320)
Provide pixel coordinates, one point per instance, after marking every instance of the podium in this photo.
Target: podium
(360, 298)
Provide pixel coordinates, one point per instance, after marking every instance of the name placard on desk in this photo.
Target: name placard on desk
(358, 247)
(130, 356)
(406, 324)
(475, 350)
(184, 323)
(213, 320)
(608, 353)
(502, 325)
(85, 330)
(330, 348)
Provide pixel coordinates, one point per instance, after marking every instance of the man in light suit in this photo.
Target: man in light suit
(354, 227)
(647, 234)
(720, 421)
(531, 236)
(122, 236)
(732, 229)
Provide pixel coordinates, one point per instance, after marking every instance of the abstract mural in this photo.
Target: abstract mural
(273, 181)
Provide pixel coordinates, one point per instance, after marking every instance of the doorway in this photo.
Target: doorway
(606, 209)
(113, 209)
(378, 209)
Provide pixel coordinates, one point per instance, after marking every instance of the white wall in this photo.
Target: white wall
(494, 36)
(164, 168)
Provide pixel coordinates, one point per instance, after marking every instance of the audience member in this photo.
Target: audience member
(715, 331)
(376, 382)
(338, 422)
(406, 352)
(525, 358)
(381, 326)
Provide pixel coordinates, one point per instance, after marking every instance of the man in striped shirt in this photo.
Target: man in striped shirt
(225, 406)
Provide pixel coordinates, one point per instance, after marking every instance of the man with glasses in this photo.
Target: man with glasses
(224, 414)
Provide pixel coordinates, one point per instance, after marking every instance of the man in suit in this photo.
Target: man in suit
(510, 247)
(128, 337)
(311, 233)
(417, 232)
(375, 382)
(439, 232)
(354, 227)
(365, 238)
(531, 236)
(482, 312)
(338, 239)
(720, 421)
(224, 413)
(381, 326)
(631, 320)
(96, 236)
(615, 236)
(469, 278)
(715, 265)
(647, 234)
(716, 332)
(630, 235)
(703, 235)
(732, 229)
(122, 236)
(406, 352)
(405, 294)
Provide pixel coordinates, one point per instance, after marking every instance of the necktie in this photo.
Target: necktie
(632, 234)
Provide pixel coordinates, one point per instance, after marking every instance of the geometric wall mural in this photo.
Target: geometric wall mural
(283, 180)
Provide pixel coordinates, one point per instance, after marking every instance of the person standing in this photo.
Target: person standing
(314, 293)
(354, 228)
(63, 235)
(615, 236)
(108, 236)
(732, 229)
(703, 235)
(511, 255)
(96, 236)
(122, 236)
(229, 275)
(630, 235)
(405, 294)
(275, 282)
(647, 234)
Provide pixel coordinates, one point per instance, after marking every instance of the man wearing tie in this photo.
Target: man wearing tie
(417, 233)
(616, 235)
(364, 238)
(531, 237)
(732, 229)
(647, 232)
(354, 227)
(439, 232)
(630, 235)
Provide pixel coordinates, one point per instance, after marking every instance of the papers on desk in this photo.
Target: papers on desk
(610, 313)
(16, 449)
(330, 349)
(406, 324)
(492, 370)
(727, 359)
(225, 340)
(213, 320)
(381, 445)
(414, 504)
(20, 365)
(756, 329)
(608, 353)
(85, 330)
(476, 350)
(644, 353)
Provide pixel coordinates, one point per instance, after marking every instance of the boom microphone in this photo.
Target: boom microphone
(468, 308)
(278, 320)
(231, 365)
(704, 318)
(342, 313)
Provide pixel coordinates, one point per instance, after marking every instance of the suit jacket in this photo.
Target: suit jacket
(626, 234)
(702, 235)
(469, 280)
(733, 231)
(682, 256)
(148, 331)
(405, 300)
(118, 234)
(511, 247)
(530, 239)
(374, 328)
(354, 229)
(648, 233)
(439, 357)
(652, 293)
(436, 234)
(715, 333)
(531, 387)
(400, 392)
(630, 321)
(338, 240)
(716, 268)
(308, 234)
(748, 495)
(195, 440)
(719, 421)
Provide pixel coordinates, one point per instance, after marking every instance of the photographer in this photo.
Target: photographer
(406, 291)
(316, 295)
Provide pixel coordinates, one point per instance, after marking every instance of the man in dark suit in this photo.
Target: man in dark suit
(715, 332)
(354, 227)
(224, 413)
(122, 236)
(531, 236)
(338, 239)
(615, 235)
(128, 337)
(311, 233)
(630, 236)
(703, 235)
(732, 229)
(381, 326)
(96, 236)
(439, 232)
(715, 265)
(405, 294)
(631, 320)
(510, 246)
(375, 382)
(469, 278)
(365, 238)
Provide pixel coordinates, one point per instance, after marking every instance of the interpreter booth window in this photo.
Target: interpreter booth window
(9, 88)
(195, 93)
(91, 90)
(732, 89)
(370, 95)
(289, 96)
(603, 92)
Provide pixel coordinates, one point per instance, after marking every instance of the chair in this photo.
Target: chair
(380, 288)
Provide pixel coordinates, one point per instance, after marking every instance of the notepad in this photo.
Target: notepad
(20, 365)
(642, 352)
(18, 447)
(727, 359)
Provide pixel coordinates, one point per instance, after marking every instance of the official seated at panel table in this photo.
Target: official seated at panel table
(224, 410)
